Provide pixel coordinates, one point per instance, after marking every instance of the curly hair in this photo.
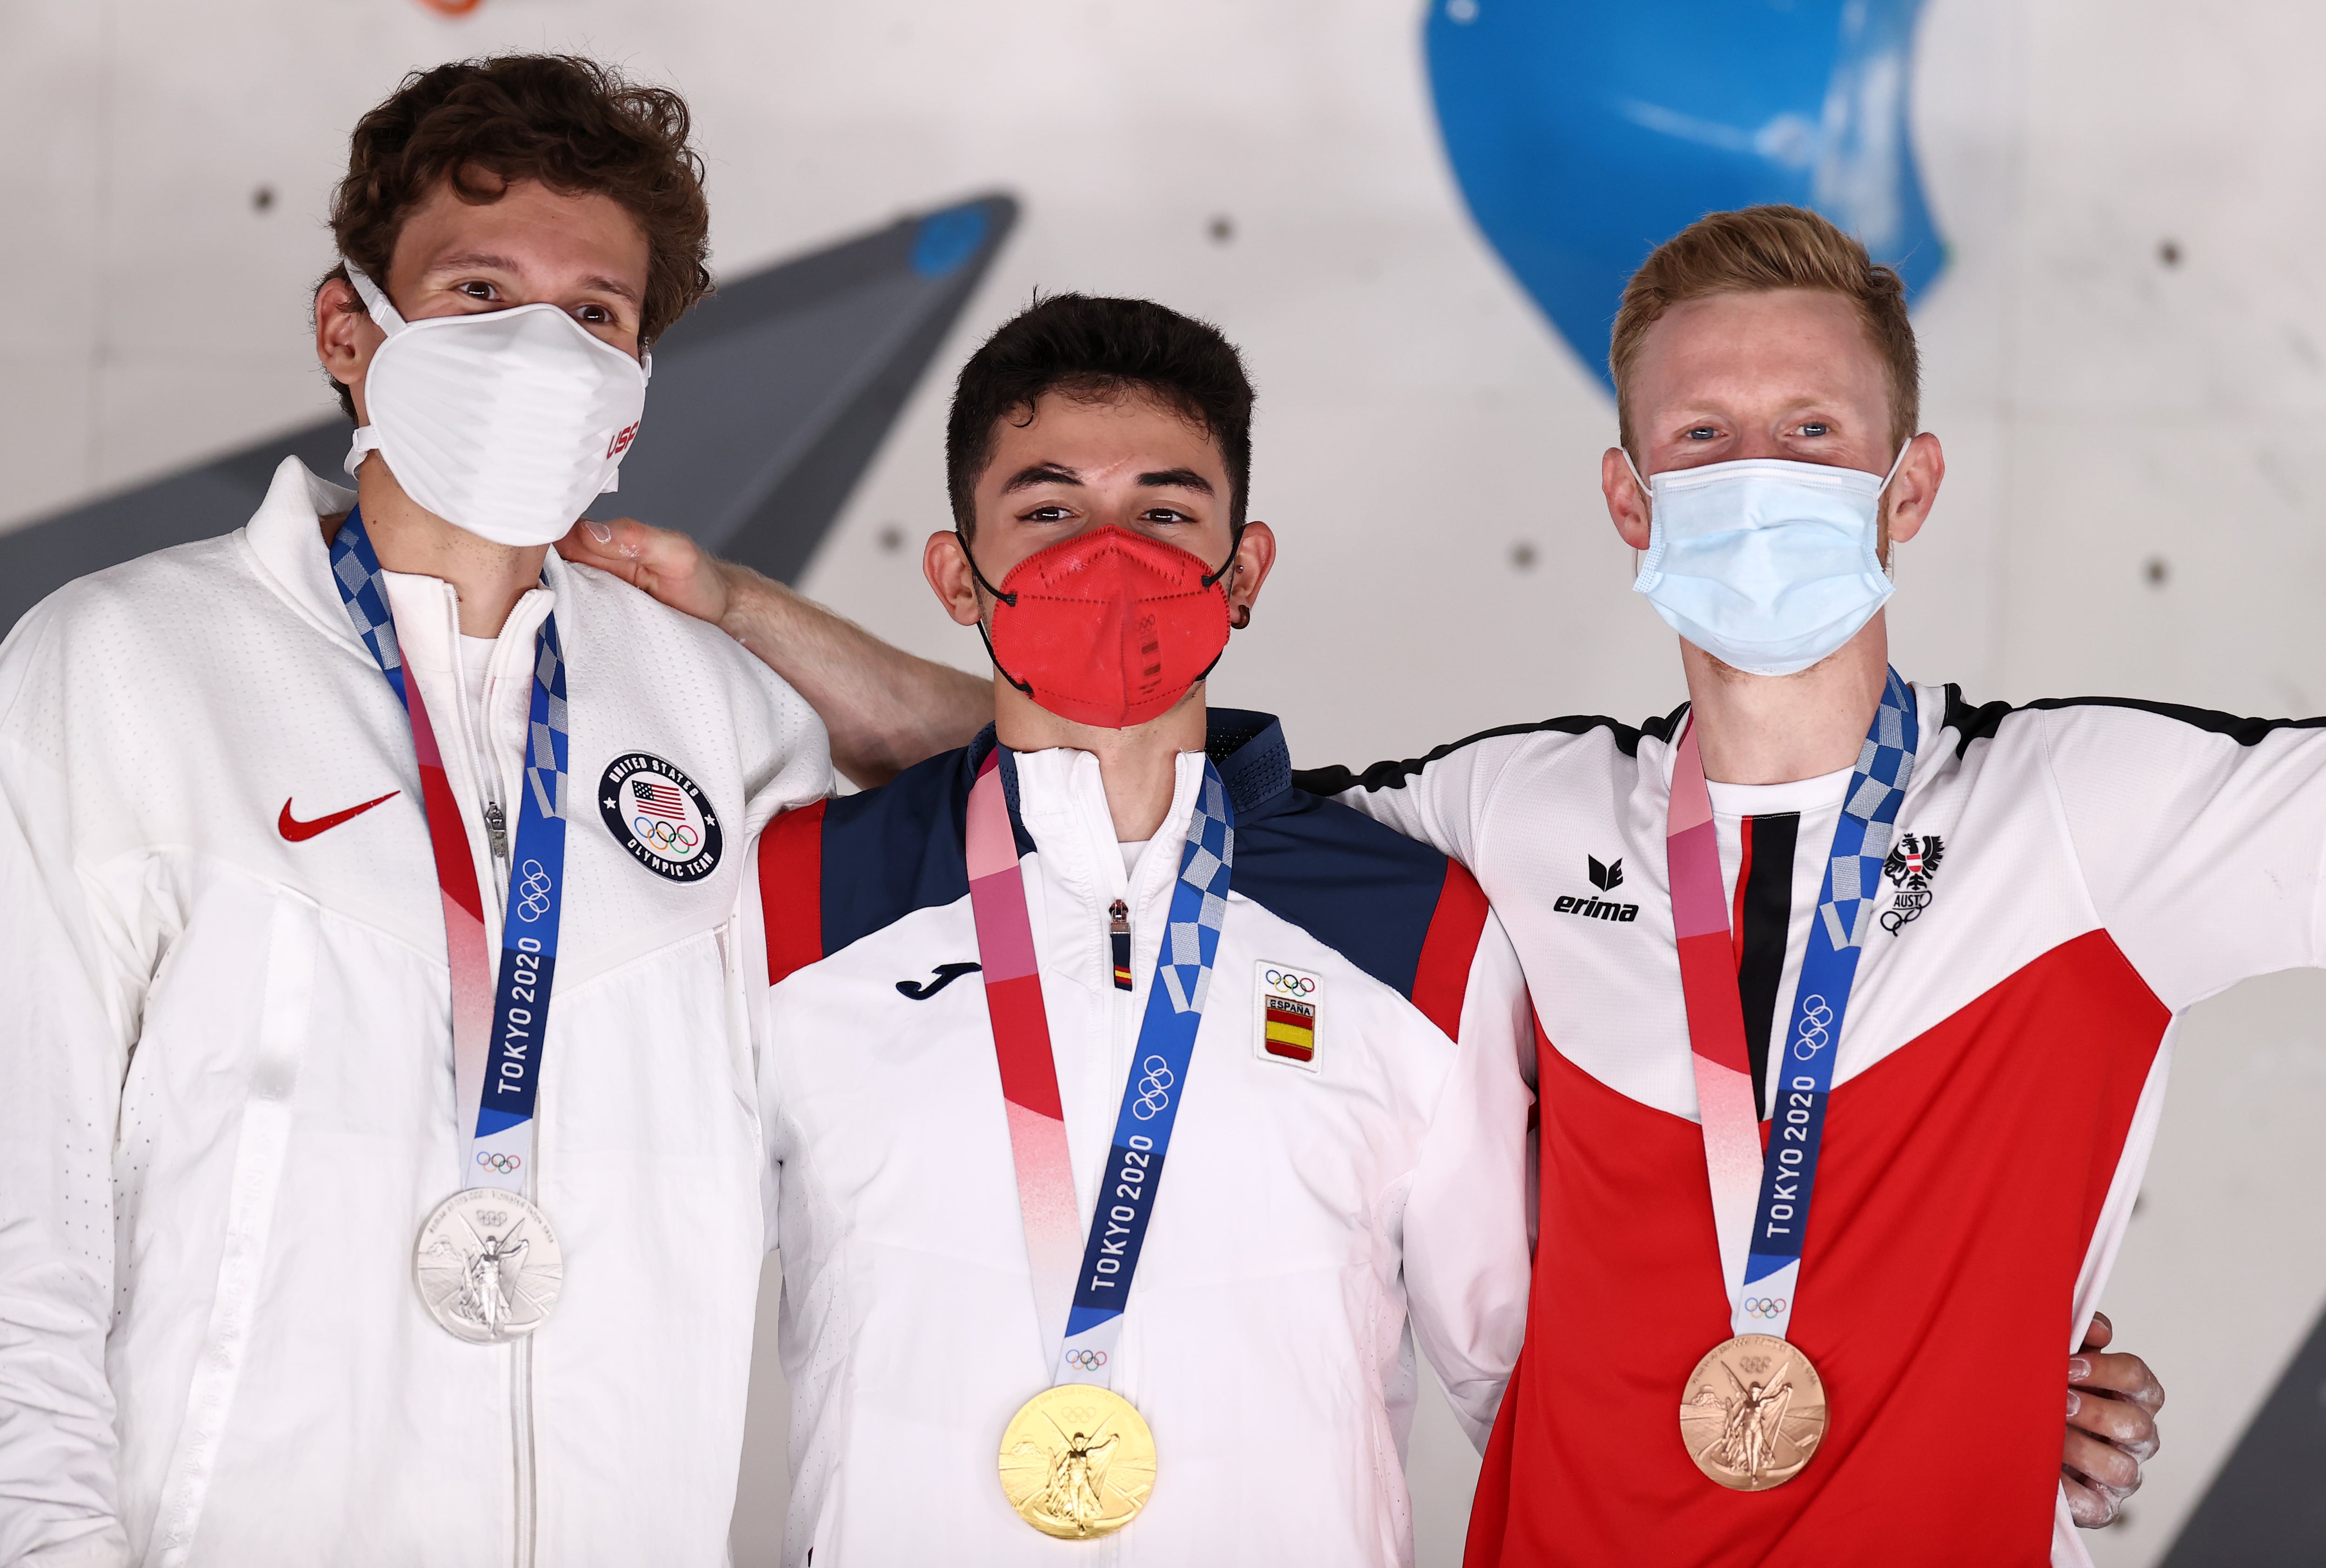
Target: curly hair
(574, 125)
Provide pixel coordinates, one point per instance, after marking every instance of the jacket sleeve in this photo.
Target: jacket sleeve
(67, 1009)
(2201, 839)
(1439, 800)
(1469, 1213)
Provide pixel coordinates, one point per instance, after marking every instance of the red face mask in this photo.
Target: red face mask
(1108, 628)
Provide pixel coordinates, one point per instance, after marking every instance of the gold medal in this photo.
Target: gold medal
(1753, 1413)
(1078, 1462)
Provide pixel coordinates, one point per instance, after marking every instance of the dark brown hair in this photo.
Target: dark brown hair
(1756, 249)
(1098, 348)
(574, 125)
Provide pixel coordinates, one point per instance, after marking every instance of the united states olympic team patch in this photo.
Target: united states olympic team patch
(658, 814)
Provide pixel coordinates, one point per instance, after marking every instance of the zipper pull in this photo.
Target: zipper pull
(1118, 936)
(497, 830)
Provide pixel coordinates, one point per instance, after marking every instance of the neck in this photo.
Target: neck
(489, 578)
(1139, 766)
(1760, 730)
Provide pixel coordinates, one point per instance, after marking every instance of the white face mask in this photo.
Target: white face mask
(1768, 565)
(504, 423)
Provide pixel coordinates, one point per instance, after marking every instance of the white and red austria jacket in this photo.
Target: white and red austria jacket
(2067, 878)
(1315, 1220)
(226, 1083)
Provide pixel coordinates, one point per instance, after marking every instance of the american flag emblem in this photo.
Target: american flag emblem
(656, 798)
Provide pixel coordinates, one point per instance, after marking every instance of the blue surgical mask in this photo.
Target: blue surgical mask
(1766, 564)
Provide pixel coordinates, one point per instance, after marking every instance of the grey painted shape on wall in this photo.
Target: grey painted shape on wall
(2266, 1509)
(769, 401)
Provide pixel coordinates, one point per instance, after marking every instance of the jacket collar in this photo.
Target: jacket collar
(1248, 748)
(286, 536)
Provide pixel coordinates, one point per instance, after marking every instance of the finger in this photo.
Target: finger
(2098, 1336)
(2090, 1506)
(2116, 1421)
(2122, 1373)
(2102, 1463)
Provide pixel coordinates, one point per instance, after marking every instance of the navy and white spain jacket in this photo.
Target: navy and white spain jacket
(1317, 1217)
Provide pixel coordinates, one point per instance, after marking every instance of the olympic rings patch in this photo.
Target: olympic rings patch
(661, 816)
(532, 893)
(1765, 1306)
(1154, 1089)
(494, 1161)
(1816, 1022)
(1085, 1360)
(1291, 984)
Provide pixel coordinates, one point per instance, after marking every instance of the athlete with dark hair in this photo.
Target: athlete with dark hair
(992, 1274)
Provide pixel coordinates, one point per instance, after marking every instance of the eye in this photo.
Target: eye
(594, 315)
(1047, 515)
(1815, 428)
(1704, 432)
(1165, 515)
(477, 289)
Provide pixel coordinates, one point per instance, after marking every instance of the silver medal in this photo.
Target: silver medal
(489, 1267)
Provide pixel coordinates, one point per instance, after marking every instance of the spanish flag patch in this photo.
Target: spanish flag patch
(1290, 1004)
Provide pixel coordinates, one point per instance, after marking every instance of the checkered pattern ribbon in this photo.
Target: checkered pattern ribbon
(1886, 766)
(1805, 1071)
(357, 572)
(1206, 863)
(494, 1041)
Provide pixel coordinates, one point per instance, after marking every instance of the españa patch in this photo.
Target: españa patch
(1290, 1003)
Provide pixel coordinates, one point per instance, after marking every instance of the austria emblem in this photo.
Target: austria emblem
(1914, 862)
(1286, 1025)
(660, 816)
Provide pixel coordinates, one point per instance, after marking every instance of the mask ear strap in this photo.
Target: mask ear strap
(983, 636)
(1009, 599)
(1895, 464)
(1210, 578)
(375, 298)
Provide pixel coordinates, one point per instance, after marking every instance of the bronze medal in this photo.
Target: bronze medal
(1078, 1462)
(1752, 1413)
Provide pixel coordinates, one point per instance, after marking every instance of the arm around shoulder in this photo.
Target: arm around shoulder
(886, 708)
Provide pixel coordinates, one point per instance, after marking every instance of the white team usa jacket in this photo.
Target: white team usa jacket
(226, 1084)
(1344, 1181)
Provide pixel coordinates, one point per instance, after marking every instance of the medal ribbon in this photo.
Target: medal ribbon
(1761, 1248)
(498, 1033)
(1080, 1309)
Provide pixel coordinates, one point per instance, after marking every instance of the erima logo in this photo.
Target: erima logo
(1605, 877)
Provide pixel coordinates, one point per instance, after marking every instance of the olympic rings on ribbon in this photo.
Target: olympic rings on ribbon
(1764, 1306)
(1813, 1038)
(1154, 1089)
(1084, 1361)
(493, 1161)
(533, 893)
(1296, 985)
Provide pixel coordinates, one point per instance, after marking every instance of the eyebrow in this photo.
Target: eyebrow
(1034, 476)
(1175, 479)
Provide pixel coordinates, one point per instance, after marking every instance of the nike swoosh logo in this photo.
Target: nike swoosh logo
(946, 975)
(295, 831)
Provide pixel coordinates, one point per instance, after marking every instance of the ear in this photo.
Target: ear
(1627, 505)
(1255, 558)
(946, 566)
(1915, 488)
(346, 337)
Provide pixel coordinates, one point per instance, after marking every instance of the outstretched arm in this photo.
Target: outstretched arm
(886, 708)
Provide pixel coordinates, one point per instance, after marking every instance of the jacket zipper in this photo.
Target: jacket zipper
(1118, 937)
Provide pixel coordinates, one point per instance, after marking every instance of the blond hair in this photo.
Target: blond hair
(1754, 250)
